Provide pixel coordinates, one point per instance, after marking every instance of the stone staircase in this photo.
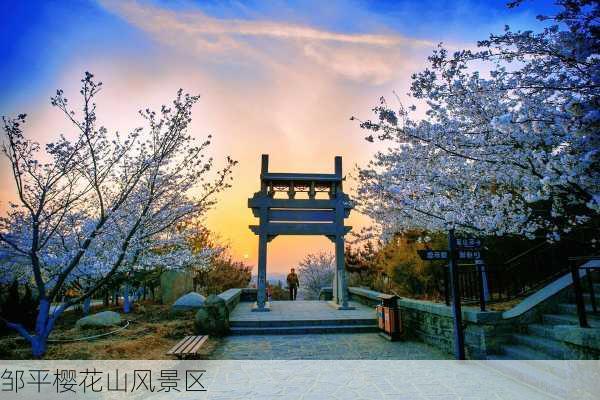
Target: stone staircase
(302, 317)
(295, 327)
(539, 342)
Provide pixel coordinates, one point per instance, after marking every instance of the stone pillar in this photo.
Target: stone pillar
(340, 297)
(340, 290)
(335, 286)
(261, 281)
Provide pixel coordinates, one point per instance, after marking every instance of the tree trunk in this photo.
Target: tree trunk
(38, 346)
(126, 300)
(43, 326)
(86, 305)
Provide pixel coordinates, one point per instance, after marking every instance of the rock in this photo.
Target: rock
(190, 301)
(101, 319)
(174, 284)
(212, 318)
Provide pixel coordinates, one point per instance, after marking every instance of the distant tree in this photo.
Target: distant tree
(94, 205)
(395, 267)
(315, 271)
(216, 270)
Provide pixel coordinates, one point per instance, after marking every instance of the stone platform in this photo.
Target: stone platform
(302, 317)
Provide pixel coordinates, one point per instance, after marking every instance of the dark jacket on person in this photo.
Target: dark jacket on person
(292, 280)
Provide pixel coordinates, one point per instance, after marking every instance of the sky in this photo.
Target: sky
(275, 77)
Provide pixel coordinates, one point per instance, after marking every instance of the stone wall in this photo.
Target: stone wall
(486, 332)
(326, 294)
(248, 295)
(232, 297)
(364, 295)
(433, 324)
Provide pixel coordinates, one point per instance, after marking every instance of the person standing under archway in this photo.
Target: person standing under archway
(293, 283)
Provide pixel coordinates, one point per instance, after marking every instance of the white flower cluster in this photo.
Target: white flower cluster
(103, 205)
(514, 152)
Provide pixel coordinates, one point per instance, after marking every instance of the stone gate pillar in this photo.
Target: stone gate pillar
(263, 239)
(300, 212)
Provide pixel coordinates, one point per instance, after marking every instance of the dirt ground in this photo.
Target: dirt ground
(152, 331)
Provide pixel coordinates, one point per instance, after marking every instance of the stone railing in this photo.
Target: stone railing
(232, 298)
(326, 293)
(432, 323)
(364, 295)
(248, 295)
(486, 331)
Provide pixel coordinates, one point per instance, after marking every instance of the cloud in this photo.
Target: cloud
(357, 57)
(266, 87)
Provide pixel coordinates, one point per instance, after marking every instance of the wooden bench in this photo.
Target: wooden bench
(188, 346)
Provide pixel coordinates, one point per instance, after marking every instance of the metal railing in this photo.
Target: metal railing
(517, 277)
(576, 264)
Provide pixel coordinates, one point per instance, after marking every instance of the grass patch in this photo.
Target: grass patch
(153, 330)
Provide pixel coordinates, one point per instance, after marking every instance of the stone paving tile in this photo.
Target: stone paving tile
(360, 346)
(300, 310)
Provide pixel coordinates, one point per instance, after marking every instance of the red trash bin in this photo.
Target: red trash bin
(388, 317)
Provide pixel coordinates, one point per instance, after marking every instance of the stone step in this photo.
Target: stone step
(564, 319)
(534, 373)
(545, 331)
(571, 308)
(587, 297)
(551, 347)
(301, 322)
(307, 329)
(520, 352)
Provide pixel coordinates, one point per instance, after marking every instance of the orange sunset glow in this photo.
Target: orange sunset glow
(284, 87)
(287, 90)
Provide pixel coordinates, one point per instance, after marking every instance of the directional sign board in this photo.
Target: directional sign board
(432, 255)
(469, 254)
(468, 243)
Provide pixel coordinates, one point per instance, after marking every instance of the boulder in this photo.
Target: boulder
(174, 284)
(190, 301)
(212, 318)
(99, 320)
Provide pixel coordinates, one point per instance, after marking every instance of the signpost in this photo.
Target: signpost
(459, 336)
(433, 255)
(458, 249)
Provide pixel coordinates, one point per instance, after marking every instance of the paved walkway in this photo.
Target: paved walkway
(308, 380)
(301, 311)
(353, 346)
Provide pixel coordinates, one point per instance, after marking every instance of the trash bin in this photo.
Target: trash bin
(388, 317)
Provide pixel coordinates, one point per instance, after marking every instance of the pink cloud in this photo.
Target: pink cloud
(266, 87)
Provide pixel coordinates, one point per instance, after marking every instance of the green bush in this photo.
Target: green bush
(213, 318)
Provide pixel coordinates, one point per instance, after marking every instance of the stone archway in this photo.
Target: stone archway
(308, 216)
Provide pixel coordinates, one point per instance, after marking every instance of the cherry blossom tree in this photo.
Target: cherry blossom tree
(316, 271)
(509, 142)
(100, 201)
